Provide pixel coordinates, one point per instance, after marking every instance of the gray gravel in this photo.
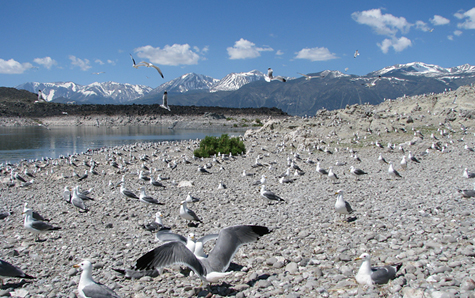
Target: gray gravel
(420, 220)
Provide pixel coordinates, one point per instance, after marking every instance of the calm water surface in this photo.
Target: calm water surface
(36, 142)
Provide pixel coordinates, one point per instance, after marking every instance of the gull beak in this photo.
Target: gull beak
(76, 266)
(358, 258)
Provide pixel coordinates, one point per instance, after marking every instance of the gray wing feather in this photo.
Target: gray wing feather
(348, 207)
(99, 291)
(207, 238)
(7, 269)
(167, 236)
(381, 275)
(41, 226)
(168, 254)
(229, 241)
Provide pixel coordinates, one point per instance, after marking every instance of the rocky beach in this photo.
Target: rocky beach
(419, 220)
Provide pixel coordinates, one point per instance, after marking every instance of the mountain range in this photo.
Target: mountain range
(298, 96)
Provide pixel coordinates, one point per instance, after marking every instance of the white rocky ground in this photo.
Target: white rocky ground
(420, 220)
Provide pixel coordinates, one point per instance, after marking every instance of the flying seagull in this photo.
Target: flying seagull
(212, 268)
(165, 101)
(88, 287)
(368, 275)
(356, 54)
(307, 77)
(148, 64)
(270, 76)
(134, 64)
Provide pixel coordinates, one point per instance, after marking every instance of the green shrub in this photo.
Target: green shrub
(210, 146)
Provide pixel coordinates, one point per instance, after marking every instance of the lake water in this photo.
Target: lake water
(36, 142)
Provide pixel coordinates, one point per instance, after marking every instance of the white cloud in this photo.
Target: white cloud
(13, 67)
(397, 44)
(383, 24)
(83, 64)
(47, 62)
(458, 32)
(169, 55)
(111, 62)
(470, 16)
(99, 61)
(315, 54)
(279, 53)
(450, 37)
(422, 26)
(439, 20)
(244, 49)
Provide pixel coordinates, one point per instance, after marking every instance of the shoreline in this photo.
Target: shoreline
(419, 220)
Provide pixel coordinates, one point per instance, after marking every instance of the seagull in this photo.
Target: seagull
(35, 214)
(357, 172)
(191, 199)
(342, 206)
(270, 195)
(403, 162)
(260, 181)
(165, 101)
(381, 159)
(368, 275)
(307, 77)
(147, 199)
(157, 224)
(270, 76)
(88, 288)
(392, 172)
(77, 201)
(212, 268)
(155, 182)
(203, 170)
(321, 171)
(356, 54)
(9, 270)
(331, 174)
(412, 157)
(127, 192)
(467, 174)
(148, 64)
(36, 226)
(188, 214)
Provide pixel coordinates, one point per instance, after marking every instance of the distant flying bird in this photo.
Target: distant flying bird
(307, 77)
(346, 69)
(165, 101)
(356, 54)
(270, 76)
(148, 64)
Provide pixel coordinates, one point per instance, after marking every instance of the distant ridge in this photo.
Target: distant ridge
(330, 89)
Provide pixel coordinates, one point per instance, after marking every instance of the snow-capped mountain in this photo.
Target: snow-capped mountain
(106, 92)
(234, 81)
(424, 69)
(185, 83)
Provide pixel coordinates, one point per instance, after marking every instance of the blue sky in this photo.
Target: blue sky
(53, 41)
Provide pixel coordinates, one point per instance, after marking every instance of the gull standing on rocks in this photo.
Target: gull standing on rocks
(368, 275)
(9, 270)
(467, 174)
(191, 199)
(357, 172)
(381, 159)
(392, 172)
(321, 171)
(76, 201)
(270, 195)
(342, 206)
(147, 199)
(403, 162)
(210, 269)
(188, 214)
(331, 174)
(88, 288)
(157, 224)
(36, 226)
(127, 192)
(412, 157)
